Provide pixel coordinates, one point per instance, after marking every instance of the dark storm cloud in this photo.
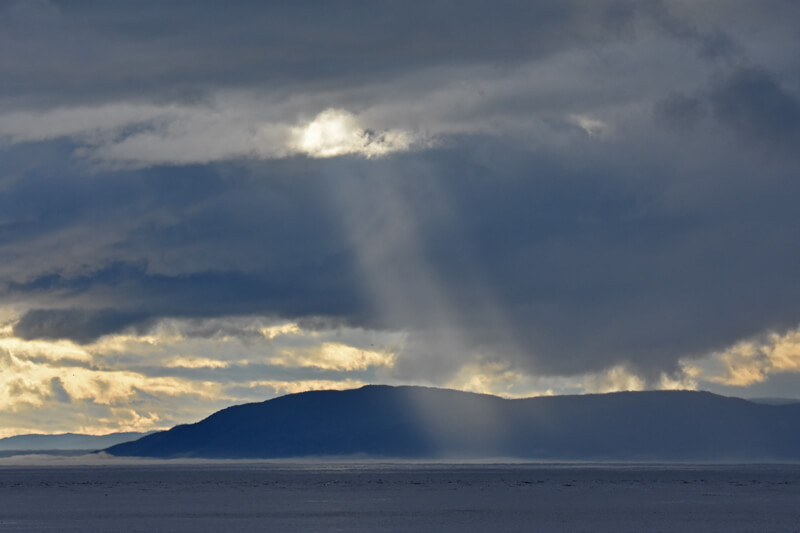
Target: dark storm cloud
(748, 100)
(144, 297)
(711, 43)
(754, 102)
(79, 325)
(589, 265)
(681, 110)
(638, 245)
(94, 49)
(232, 245)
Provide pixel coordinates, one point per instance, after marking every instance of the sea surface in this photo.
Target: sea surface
(67, 494)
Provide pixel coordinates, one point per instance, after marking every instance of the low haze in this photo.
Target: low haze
(201, 207)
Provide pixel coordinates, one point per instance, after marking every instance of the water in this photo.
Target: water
(269, 496)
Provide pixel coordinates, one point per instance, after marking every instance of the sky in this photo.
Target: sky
(204, 205)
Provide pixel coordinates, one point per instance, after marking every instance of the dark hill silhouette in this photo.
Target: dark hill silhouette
(65, 441)
(418, 422)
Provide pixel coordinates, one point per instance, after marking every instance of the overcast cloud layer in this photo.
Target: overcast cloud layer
(203, 205)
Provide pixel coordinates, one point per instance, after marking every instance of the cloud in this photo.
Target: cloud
(500, 379)
(334, 356)
(49, 351)
(80, 325)
(556, 260)
(196, 362)
(234, 126)
(271, 332)
(59, 392)
(753, 361)
(459, 84)
(542, 197)
(747, 100)
(515, 85)
(336, 132)
(756, 104)
(680, 110)
(31, 384)
(161, 50)
(176, 373)
(294, 387)
(590, 125)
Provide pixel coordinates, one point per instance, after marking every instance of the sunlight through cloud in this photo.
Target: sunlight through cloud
(337, 132)
(753, 361)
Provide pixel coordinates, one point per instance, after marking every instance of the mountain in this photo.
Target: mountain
(65, 441)
(774, 401)
(418, 422)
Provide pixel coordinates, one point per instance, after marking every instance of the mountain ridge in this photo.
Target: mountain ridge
(422, 422)
(66, 441)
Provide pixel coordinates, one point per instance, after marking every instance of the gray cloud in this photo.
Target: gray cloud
(170, 50)
(748, 100)
(93, 51)
(561, 269)
(76, 324)
(554, 225)
(58, 391)
(752, 101)
(680, 110)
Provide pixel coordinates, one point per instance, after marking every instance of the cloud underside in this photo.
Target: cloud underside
(184, 369)
(544, 198)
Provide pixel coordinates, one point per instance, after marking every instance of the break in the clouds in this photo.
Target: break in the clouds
(202, 205)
